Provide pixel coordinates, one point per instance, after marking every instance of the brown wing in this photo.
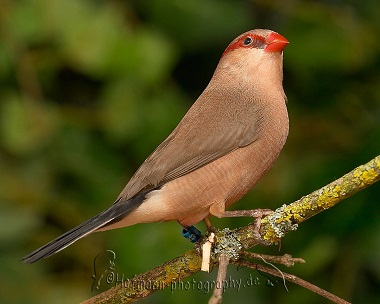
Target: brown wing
(212, 128)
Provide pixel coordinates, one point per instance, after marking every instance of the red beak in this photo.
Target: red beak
(275, 43)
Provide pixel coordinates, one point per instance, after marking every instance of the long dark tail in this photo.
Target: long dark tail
(117, 211)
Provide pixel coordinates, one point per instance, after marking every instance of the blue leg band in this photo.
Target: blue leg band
(192, 234)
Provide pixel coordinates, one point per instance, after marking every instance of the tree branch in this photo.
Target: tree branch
(149, 282)
(293, 279)
(286, 218)
(216, 297)
(234, 242)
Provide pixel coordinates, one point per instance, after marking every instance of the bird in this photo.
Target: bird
(225, 143)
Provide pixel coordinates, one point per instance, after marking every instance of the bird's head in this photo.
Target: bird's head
(254, 54)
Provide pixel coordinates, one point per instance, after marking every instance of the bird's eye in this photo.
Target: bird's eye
(247, 41)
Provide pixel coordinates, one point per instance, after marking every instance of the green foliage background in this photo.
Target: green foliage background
(89, 88)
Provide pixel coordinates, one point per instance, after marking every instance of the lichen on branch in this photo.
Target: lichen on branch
(287, 217)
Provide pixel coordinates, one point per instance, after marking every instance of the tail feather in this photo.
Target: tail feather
(115, 212)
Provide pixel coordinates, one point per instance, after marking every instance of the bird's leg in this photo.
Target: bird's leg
(209, 226)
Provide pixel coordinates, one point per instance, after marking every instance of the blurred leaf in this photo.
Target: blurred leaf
(24, 124)
(335, 34)
(18, 223)
(197, 23)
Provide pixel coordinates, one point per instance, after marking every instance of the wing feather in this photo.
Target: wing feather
(215, 125)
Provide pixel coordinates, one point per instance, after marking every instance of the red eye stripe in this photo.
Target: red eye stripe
(257, 42)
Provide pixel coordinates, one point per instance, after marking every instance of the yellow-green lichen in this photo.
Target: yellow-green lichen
(187, 263)
(365, 177)
(378, 163)
(285, 218)
(281, 221)
(328, 197)
(270, 236)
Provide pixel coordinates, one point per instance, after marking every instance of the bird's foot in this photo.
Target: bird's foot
(257, 215)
